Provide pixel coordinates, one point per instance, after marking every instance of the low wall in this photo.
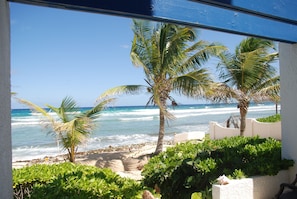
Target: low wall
(216, 131)
(259, 187)
(193, 135)
(253, 128)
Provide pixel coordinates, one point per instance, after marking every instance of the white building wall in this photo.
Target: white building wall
(5, 97)
(288, 72)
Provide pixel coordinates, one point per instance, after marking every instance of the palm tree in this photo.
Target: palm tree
(247, 75)
(171, 61)
(71, 126)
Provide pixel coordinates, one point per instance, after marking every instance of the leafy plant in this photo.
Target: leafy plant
(68, 180)
(188, 167)
(272, 118)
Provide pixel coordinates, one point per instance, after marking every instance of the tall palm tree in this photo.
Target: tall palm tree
(71, 126)
(172, 62)
(247, 75)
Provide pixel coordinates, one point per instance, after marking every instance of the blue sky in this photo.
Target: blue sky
(57, 53)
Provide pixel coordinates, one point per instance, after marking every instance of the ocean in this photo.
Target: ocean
(122, 125)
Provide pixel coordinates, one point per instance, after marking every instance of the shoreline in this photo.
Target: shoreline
(127, 160)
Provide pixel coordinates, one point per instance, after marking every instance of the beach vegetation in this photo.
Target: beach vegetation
(189, 167)
(68, 180)
(248, 75)
(272, 118)
(68, 124)
(172, 60)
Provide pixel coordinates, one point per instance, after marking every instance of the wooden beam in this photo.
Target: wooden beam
(229, 18)
(282, 10)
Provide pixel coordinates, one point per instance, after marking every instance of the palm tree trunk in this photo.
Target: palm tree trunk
(242, 121)
(72, 154)
(243, 108)
(159, 147)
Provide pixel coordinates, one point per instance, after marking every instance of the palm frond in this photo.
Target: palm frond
(220, 92)
(141, 46)
(193, 84)
(95, 111)
(66, 109)
(74, 132)
(252, 43)
(249, 66)
(37, 108)
(268, 91)
(174, 49)
(119, 90)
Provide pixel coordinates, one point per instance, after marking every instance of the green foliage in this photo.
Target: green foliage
(272, 118)
(68, 180)
(238, 174)
(188, 167)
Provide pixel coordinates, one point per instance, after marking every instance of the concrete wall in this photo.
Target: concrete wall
(258, 187)
(193, 135)
(253, 128)
(5, 121)
(217, 131)
(288, 72)
(266, 130)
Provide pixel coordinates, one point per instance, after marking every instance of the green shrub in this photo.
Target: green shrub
(68, 180)
(188, 168)
(272, 118)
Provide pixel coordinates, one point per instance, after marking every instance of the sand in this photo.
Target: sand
(127, 161)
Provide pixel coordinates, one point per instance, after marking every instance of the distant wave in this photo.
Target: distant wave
(20, 121)
(137, 118)
(53, 113)
(35, 152)
(129, 113)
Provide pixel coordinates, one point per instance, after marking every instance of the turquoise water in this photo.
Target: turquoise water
(121, 126)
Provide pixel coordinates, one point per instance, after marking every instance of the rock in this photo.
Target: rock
(223, 180)
(131, 164)
(147, 195)
(115, 165)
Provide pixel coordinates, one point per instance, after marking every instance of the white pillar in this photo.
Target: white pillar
(5, 103)
(288, 81)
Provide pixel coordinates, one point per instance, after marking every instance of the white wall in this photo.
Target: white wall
(216, 131)
(253, 128)
(5, 121)
(187, 136)
(266, 129)
(288, 72)
(258, 187)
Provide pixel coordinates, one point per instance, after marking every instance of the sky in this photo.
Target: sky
(57, 53)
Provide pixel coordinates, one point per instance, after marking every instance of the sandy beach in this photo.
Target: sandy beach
(127, 161)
